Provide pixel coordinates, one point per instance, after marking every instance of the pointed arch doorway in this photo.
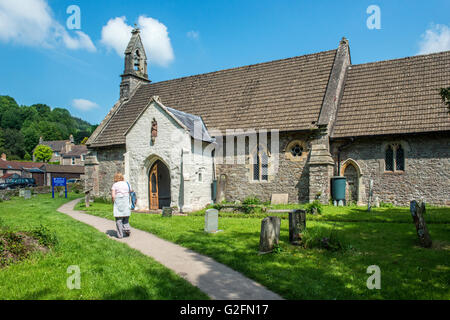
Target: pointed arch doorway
(159, 186)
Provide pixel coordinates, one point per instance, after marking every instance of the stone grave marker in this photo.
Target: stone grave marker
(166, 211)
(297, 224)
(27, 194)
(417, 210)
(211, 220)
(270, 234)
(279, 198)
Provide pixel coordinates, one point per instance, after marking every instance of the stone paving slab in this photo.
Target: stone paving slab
(215, 279)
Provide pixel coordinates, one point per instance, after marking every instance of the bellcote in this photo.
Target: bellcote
(135, 71)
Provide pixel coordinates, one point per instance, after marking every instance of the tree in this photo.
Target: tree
(43, 153)
(445, 95)
(14, 143)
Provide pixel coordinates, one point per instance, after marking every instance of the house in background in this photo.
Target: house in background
(18, 169)
(66, 152)
(41, 172)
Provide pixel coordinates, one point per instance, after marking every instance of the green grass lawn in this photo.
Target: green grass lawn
(109, 269)
(407, 270)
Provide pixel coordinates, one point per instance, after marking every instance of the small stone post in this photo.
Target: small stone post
(270, 234)
(86, 198)
(369, 202)
(417, 210)
(297, 224)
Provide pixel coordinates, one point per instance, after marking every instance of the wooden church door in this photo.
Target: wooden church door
(153, 185)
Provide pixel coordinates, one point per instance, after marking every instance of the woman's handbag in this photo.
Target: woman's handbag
(132, 197)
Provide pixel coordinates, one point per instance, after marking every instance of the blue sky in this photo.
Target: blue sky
(41, 65)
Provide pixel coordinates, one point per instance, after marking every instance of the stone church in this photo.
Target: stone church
(281, 127)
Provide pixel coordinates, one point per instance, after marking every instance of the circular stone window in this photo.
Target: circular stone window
(296, 150)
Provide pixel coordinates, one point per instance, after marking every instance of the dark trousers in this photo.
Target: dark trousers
(122, 224)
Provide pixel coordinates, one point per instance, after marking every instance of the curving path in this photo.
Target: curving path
(215, 279)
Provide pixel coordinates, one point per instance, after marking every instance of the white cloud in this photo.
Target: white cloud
(84, 105)
(30, 22)
(435, 39)
(116, 34)
(193, 34)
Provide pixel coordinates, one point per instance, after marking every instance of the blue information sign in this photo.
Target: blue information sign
(59, 182)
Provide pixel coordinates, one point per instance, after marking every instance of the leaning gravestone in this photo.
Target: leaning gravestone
(270, 234)
(297, 224)
(417, 210)
(166, 212)
(211, 220)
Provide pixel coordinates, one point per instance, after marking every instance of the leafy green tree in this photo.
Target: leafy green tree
(14, 142)
(27, 157)
(31, 137)
(12, 119)
(445, 95)
(43, 110)
(43, 153)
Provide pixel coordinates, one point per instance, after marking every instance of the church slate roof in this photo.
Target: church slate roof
(395, 97)
(190, 121)
(284, 94)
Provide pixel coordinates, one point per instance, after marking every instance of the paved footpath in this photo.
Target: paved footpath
(215, 279)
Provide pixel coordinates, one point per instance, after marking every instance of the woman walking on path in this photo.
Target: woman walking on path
(120, 192)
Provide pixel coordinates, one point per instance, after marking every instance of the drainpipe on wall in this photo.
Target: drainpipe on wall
(340, 148)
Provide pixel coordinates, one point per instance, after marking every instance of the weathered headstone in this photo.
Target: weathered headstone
(417, 211)
(279, 198)
(166, 211)
(221, 185)
(297, 224)
(211, 220)
(27, 194)
(270, 234)
(376, 203)
(86, 198)
(369, 202)
(21, 193)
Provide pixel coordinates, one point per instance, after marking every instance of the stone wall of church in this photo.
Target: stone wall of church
(110, 161)
(189, 165)
(292, 177)
(426, 174)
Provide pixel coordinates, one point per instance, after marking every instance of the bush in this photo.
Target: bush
(103, 200)
(46, 237)
(314, 207)
(248, 205)
(321, 238)
(386, 205)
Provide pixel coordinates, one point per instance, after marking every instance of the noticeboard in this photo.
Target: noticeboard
(59, 182)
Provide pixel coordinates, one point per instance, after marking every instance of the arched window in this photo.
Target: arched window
(394, 157)
(137, 60)
(260, 165)
(389, 159)
(400, 159)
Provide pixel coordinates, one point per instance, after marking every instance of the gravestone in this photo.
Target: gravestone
(279, 198)
(369, 203)
(166, 212)
(417, 209)
(27, 194)
(221, 186)
(376, 203)
(211, 220)
(270, 234)
(297, 224)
